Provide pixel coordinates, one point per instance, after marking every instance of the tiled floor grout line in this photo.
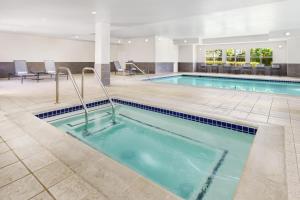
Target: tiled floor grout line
(270, 109)
(39, 194)
(240, 102)
(30, 172)
(254, 104)
(15, 181)
(8, 164)
(294, 145)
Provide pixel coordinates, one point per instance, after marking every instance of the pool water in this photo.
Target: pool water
(275, 87)
(192, 160)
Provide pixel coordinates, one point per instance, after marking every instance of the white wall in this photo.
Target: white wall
(293, 45)
(279, 54)
(37, 49)
(186, 53)
(157, 49)
(166, 51)
(138, 50)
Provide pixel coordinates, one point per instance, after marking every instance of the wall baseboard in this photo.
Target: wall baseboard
(283, 66)
(75, 67)
(293, 70)
(185, 67)
(153, 67)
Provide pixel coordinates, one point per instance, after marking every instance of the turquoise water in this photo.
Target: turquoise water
(192, 160)
(235, 84)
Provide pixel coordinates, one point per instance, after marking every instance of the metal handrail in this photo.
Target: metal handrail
(104, 89)
(131, 63)
(76, 89)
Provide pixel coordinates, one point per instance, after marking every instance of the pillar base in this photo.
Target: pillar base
(105, 73)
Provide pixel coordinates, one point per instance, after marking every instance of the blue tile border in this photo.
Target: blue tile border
(185, 116)
(203, 120)
(54, 113)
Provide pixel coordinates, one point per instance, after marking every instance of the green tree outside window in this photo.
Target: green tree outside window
(261, 56)
(213, 56)
(235, 57)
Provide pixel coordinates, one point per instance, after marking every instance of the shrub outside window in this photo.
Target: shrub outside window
(261, 56)
(235, 57)
(213, 56)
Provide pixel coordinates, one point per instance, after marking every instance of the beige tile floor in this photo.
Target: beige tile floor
(46, 166)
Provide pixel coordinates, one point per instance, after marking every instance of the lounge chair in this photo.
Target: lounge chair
(51, 69)
(209, 68)
(260, 69)
(131, 69)
(247, 69)
(215, 68)
(202, 68)
(275, 70)
(227, 68)
(236, 70)
(118, 67)
(21, 70)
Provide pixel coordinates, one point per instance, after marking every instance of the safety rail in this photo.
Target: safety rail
(76, 89)
(102, 86)
(131, 63)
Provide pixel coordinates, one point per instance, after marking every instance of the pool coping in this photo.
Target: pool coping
(263, 79)
(230, 76)
(250, 187)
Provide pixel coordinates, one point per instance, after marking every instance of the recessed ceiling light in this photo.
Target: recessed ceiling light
(287, 33)
(94, 12)
(185, 41)
(146, 40)
(119, 41)
(76, 36)
(280, 46)
(159, 39)
(129, 41)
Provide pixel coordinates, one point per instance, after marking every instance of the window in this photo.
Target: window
(235, 56)
(213, 56)
(240, 56)
(261, 56)
(230, 56)
(266, 56)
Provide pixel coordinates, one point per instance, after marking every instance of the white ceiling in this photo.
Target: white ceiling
(140, 18)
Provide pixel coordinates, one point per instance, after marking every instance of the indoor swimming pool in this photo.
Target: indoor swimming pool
(252, 85)
(191, 159)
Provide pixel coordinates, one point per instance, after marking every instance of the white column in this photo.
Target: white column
(102, 51)
(224, 56)
(194, 58)
(248, 55)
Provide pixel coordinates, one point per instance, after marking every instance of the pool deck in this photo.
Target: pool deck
(38, 161)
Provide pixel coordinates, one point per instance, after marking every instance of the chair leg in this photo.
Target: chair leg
(22, 77)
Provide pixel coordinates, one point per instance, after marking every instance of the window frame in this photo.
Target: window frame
(261, 57)
(237, 54)
(214, 56)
